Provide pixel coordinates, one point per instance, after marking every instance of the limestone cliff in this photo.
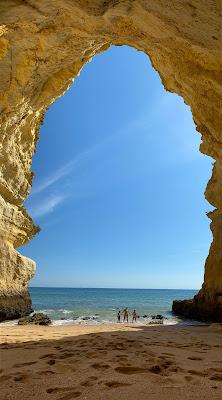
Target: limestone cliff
(43, 46)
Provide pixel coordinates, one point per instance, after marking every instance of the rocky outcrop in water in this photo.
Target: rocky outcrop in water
(43, 46)
(199, 308)
(157, 316)
(35, 319)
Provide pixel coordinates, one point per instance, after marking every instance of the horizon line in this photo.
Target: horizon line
(117, 288)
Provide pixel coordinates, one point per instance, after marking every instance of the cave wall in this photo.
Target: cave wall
(43, 46)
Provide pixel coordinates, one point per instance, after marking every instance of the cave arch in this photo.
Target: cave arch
(42, 48)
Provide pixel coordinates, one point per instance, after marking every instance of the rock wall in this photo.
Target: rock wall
(43, 46)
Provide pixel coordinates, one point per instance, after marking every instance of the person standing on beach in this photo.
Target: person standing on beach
(134, 316)
(125, 315)
(118, 317)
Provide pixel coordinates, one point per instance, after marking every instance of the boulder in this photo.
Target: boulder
(35, 319)
(158, 316)
(156, 322)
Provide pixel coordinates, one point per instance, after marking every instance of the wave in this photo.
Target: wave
(9, 323)
(96, 319)
(65, 316)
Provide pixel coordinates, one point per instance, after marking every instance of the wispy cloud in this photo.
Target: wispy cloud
(39, 209)
(61, 172)
(97, 168)
(83, 158)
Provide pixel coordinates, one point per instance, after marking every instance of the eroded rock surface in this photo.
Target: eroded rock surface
(35, 319)
(44, 45)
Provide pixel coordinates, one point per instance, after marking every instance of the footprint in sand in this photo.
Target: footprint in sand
(119, 348)
(191, 379)
(101, 351)
(155, 369)
(4, 378)
(162, 358)
(70, 396)
(46, 372)
(24, 364)
(91, 354)
(216, 369)
(216, 377)
(47, 355)
(175, 369)
(130, 370)
(65, 355)
(108, 344)
(90, 381)
(161, 368)
(59, 389)
(101, 367)
(121, 357)
(169, 354)
(72, 361)
(198, 373)
(21, 378)
(116, 384)
(124, 364)
(62, 368)
(51, 362)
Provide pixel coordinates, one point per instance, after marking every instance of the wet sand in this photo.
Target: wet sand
(110, 362)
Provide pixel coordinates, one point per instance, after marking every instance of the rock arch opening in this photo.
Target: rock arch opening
(40, 57)
(117, 171)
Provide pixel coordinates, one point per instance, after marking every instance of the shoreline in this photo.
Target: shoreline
(93, 323)
(112, 362)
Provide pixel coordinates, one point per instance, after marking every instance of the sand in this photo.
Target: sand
(111, 362)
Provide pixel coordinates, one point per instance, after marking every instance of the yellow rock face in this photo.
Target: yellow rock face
(43, 46)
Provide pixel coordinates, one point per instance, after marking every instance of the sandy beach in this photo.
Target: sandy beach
(111, 362)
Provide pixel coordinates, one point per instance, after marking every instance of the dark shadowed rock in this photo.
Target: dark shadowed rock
(158, 316)
(200, 308)
(15, 306)
(35, 319)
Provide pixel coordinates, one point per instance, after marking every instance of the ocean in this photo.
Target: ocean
(98, 306)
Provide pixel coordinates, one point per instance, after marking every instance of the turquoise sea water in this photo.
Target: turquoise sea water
(97, 306)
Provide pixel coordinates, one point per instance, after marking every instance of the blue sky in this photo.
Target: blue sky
(119, 183)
